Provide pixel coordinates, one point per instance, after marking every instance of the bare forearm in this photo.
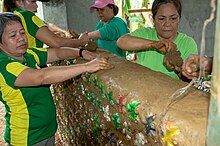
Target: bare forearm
(64, 42)
(62, 53)
(49, 38)
(94, 34)
(55, 28)
(61, 73)
(128, 42)
(49, 75)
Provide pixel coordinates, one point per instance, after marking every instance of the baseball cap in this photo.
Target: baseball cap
(101, 4)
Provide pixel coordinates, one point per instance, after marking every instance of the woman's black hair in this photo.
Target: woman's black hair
(9, 5)
(158, 3)
(5, 18)
(114, 7)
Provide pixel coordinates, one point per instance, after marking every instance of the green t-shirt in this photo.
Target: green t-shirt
(31, 24)
(110, 33)
(30, 111)
(153, 59)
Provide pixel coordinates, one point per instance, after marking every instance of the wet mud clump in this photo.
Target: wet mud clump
(175, 60)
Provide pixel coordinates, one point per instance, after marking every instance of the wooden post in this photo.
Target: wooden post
(213, 130)
(122, 5)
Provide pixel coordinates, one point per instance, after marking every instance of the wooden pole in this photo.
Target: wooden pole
(213, 130)
(139, 10)
(122, 13)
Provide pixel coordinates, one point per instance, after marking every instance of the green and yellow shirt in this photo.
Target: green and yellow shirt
(153, 59)
(31, 24)
(30, 111)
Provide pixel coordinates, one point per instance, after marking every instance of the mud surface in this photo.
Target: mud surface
(76, 113)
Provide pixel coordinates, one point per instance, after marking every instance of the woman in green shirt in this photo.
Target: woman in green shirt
(151, 44)
(109, 28)
(30, 110)
(37, 31)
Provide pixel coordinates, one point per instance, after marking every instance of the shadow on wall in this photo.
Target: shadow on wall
(78, 15)
(193, 17)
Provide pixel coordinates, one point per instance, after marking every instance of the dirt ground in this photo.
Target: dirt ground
(2, 125)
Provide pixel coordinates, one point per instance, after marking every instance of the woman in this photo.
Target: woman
(151, 44)
(30, 110)
(109, 28)
(38, 32)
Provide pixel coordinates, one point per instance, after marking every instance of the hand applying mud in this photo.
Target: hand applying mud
(87, 55)
(98, 64)
(164, 46)
(172, 58)
(90, 46)
(84, 38)
(190, 68)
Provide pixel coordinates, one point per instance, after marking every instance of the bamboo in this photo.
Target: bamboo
(139, 10)
(123, 13)
(213, 129)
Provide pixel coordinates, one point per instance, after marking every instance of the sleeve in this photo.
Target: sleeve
(110, 31)
(39, 54)
(135, 32)
(139, 32)
(11, 70)
(114, 29)
(33, 22)
(190, 48)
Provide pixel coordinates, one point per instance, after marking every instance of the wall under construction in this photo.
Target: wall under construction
(128, 105)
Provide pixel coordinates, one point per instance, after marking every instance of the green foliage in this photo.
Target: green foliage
(137, 19)
(126, 7)
(1, 5)
(145, 3)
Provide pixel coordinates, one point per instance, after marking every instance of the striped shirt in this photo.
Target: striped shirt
(30, 111)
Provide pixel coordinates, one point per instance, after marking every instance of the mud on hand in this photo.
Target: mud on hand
(173, 60)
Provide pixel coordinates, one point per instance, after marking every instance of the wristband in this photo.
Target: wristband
(80, 52)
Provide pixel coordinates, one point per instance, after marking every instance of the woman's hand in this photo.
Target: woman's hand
(64, 34)
(98, 64)
(88, 55)
(84, 37)
(164, 46)
(191, 69)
